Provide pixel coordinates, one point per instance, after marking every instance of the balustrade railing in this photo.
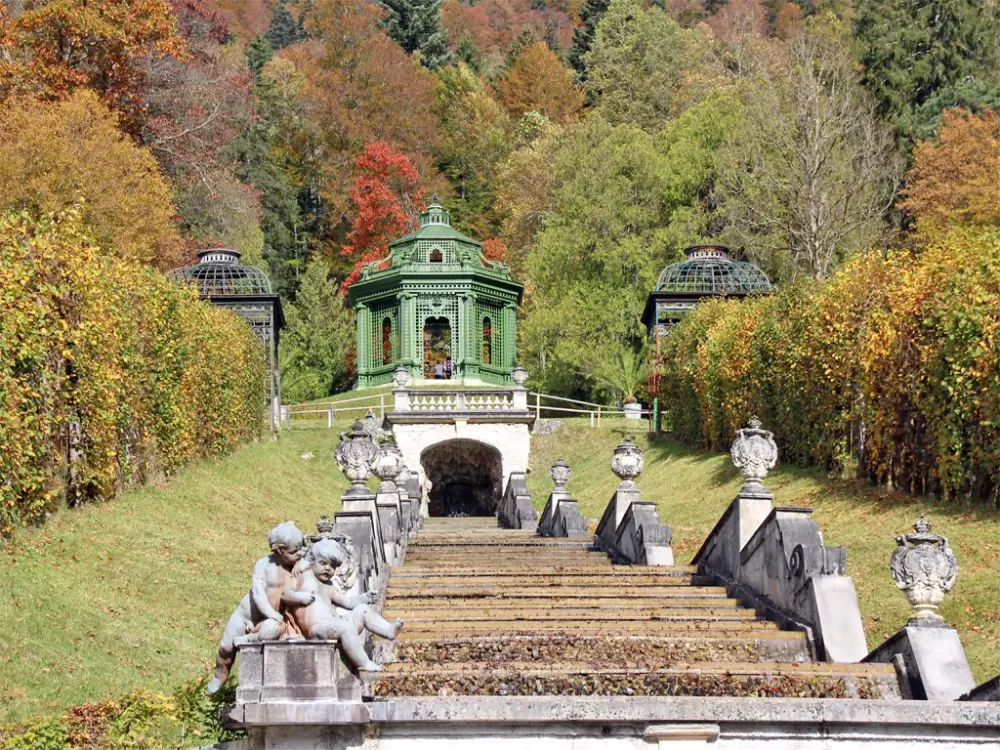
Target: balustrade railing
(459, 401)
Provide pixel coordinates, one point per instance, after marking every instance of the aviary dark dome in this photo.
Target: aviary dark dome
(709, 270)
(219, 272)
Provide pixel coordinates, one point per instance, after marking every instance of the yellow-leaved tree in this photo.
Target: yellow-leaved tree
(57, 154)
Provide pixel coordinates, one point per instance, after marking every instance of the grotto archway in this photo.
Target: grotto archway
(466, 478)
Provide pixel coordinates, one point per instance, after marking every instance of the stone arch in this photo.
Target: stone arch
(465, 477)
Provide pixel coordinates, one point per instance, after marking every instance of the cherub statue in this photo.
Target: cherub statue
(325, 574)
(258, 617)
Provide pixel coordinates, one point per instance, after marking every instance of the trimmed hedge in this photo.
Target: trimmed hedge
(892, 365)
(110, 375)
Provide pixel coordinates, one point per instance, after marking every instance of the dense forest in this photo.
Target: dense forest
(587, 142)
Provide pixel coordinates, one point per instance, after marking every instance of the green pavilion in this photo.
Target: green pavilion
(437, 307)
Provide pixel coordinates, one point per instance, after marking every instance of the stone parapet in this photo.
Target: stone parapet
(612, 722)
(930, 661)
(516, 510)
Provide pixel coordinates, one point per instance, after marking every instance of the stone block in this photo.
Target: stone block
(930, 660)
(296, 670)
(516, 510)
(640, 538)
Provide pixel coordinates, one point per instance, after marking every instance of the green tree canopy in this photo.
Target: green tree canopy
(415, 25)
(643, 67)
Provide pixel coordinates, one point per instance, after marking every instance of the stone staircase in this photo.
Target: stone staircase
(504, 612)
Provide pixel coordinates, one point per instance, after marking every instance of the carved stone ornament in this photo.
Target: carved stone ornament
(355, 455)
(520, 376)
(560, 473)
(371, 426)
(347, 572)
(401, 377)
(627, 463)
(924, 567)
(754, 454)
(387, 466)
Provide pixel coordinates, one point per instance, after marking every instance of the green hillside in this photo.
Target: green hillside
(134, 593)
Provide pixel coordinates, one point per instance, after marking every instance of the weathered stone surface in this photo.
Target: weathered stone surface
(516, 510)
(931, 662)
(295, 671)
(641, 539)
(988, 691)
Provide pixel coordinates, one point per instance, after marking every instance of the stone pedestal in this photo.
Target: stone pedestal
(930, 660)
(280, 671)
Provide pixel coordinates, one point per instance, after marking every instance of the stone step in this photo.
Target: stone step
(614, 604)
(577, 615)
(609, 571)
(760, 679)
(618, 585)
(474, 542)
(456, 628)
(643, 651)
(500, 592)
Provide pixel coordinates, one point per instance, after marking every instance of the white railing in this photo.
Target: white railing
(440, 401)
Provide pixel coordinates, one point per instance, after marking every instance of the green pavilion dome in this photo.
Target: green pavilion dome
(437, 307)
(707, 272)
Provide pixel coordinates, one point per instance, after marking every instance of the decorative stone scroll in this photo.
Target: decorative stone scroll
(516, 510)
(924, 568)
(754, 453)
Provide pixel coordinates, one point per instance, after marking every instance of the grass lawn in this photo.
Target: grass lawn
(692, 489)
(134, 593)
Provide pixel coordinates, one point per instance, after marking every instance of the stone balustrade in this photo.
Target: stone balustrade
(460, 401)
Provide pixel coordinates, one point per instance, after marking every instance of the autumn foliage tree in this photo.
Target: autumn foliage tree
(538, 82)
(953, 181)
(56, 154)
(56, 46)
(386, 198)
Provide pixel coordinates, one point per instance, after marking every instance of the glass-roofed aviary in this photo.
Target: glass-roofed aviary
(223, 281)
(707, 273)
(437, 307)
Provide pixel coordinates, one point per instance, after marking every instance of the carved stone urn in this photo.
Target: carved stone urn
(627, 463)
(355, 455)
(387, 466)
(520, 376)
(371, 426)
(560, 473)
(924, 567)
(754, 453)
(401, 377)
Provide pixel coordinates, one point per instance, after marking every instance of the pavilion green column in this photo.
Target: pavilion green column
(471, 354)
(407, 329)
(364, 341)
(510, 332)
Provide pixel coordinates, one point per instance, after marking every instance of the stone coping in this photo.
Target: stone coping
(625, 710)
(478, 416)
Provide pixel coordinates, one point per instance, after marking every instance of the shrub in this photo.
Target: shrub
(109, 373)
(892, 364)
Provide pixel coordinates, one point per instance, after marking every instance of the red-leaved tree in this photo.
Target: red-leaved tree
(386, 200)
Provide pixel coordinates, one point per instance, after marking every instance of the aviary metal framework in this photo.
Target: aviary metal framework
(436, 298)
(708, 272)
(223, 281)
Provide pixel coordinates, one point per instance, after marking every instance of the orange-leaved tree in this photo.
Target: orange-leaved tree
(538, 82)
(54, 155)
(56, 46)
(954, 180)
(386, 198)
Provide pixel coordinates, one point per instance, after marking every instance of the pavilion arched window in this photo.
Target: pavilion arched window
(487, 356)
(436, 256)
(387, 341)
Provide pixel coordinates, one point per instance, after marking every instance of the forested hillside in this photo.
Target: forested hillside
(588, 141)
